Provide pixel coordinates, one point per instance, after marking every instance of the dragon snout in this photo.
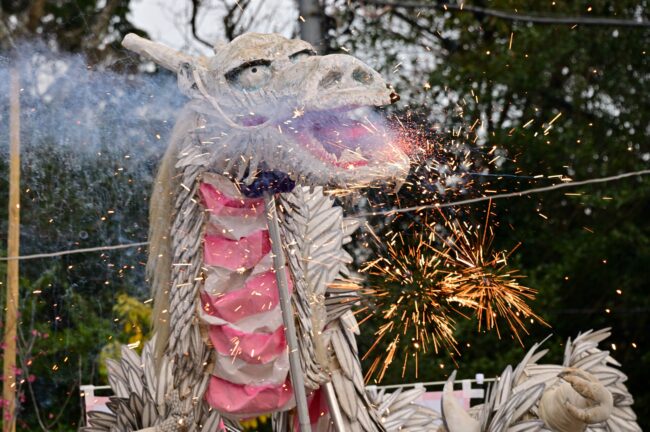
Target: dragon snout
(343, 73)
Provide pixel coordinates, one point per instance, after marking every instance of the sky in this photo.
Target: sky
(167, 21)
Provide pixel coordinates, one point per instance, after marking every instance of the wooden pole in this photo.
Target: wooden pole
(13, 250)
(279, 264)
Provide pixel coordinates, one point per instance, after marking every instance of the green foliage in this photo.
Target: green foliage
(135, 319)
(57, 352)
(576, 250)
(260, 423)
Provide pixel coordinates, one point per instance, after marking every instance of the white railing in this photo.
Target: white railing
(430, 399)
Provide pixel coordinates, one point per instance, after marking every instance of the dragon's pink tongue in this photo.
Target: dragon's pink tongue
(336, 139)
(354, 133)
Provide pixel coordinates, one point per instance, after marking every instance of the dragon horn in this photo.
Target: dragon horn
(161, 54)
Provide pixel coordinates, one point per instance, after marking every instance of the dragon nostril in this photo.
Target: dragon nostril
(333, 77)
(362, 76)
(394, 96)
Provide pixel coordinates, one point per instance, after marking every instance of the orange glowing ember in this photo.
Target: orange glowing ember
(429, 273)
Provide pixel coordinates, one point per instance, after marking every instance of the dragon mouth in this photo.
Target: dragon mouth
(346, 137)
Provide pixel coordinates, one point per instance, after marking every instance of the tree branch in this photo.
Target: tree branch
(233, 17)
(446, 43)
(100, 27)
(195, 11)
(7, 41)
(534, 19)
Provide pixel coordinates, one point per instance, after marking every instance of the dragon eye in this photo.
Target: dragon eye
(296, 57)
(250, 76)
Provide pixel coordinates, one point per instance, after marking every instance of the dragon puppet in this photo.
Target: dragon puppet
(267, 116)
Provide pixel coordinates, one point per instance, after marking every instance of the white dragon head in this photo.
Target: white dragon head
(265, 102)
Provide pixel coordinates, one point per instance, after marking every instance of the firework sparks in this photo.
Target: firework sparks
(411, 301)
(441, 170)
(438, 267)
(483, 281)
(445, 165)
(430, 273)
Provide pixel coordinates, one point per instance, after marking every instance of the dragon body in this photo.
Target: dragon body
(266, 112)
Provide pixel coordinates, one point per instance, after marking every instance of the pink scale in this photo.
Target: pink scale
(257, 296)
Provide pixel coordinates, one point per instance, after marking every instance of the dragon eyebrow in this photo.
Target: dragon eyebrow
(232, 73)
(305, 51)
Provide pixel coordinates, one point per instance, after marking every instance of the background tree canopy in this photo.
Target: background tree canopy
(91, 142)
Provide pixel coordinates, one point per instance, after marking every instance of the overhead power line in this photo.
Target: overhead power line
(516, 17)
(377, 213)
(74, 251)
(538, 190)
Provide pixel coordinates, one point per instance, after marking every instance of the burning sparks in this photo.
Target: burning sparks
(483, 281)
(445, 166)
(411, 301)
(298, 112)
(429, 274)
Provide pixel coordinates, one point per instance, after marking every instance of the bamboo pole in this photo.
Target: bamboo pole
(279, 264)
(335, 409)
(13, 250)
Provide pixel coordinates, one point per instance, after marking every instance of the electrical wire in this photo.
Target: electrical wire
(376, 213)
(534, 19)
(570, 184)
(74, 251)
